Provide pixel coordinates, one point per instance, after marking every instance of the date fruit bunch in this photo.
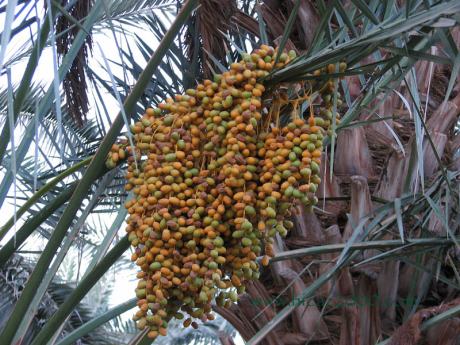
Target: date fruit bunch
(214, 180)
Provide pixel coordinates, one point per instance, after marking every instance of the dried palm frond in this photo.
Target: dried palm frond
(204, 34)
(75, 80)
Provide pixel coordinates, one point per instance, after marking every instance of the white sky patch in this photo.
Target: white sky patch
(124, 282)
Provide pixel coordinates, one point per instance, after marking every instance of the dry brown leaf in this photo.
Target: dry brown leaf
(409, 333)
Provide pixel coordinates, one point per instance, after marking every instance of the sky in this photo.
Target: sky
(124, 282)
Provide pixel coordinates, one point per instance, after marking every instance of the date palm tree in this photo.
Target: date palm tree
(376, 262)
